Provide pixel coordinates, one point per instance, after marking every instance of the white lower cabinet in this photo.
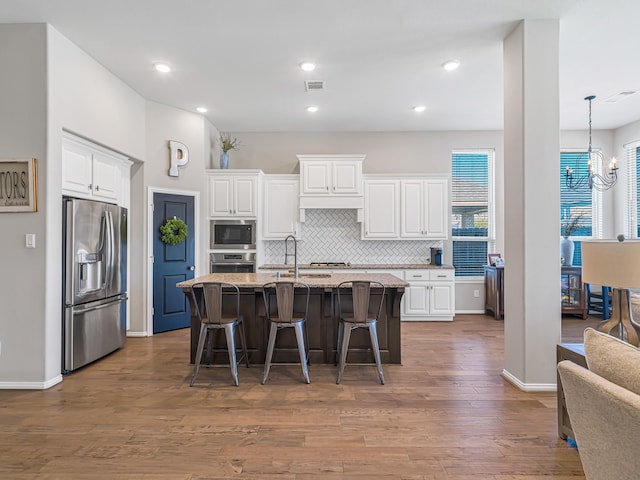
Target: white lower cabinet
(430, 295)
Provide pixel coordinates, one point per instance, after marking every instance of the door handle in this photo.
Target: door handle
(192, 268)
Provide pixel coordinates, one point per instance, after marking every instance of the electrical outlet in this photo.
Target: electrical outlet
(476, 293)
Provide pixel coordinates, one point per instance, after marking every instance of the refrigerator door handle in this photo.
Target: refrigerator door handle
(86, 308)
(109, 279)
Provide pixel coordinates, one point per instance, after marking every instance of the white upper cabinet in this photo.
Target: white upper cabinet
(346, 177)
(381, 209)
(233, 194)
(331, 174)
(331, 181)
(437, 208)
(412, 201)
(316, 177)
(92, 172)
(280, 206)
(106, 177)
(424, 207)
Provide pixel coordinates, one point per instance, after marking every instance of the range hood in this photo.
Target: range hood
(331, 182)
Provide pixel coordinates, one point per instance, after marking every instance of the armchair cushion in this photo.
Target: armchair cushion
(613, 359)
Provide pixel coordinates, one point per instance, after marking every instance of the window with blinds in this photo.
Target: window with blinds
(576, 206)
(472, 210)
(632, 154)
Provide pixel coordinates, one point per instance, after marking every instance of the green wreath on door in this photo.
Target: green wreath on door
(174, 231)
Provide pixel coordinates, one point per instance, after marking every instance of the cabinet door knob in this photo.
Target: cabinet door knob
(90, 186)
(97, 187)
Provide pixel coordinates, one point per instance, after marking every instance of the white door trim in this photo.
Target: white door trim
(148, 253)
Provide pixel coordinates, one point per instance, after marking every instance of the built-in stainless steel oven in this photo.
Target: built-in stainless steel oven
(233, 234)
(232, 263)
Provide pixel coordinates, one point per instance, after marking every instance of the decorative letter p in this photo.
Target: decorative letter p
(179, 157)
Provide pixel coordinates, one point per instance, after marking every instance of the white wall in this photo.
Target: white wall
(23, 135)
(49, 85)
(163, 124)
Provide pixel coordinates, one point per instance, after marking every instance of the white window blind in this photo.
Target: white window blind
(632, 157)
(472, 225)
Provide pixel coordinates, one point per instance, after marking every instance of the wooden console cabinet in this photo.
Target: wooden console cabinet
(573, 293)
(494, 291)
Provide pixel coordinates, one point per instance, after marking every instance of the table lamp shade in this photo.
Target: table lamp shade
(611, 263)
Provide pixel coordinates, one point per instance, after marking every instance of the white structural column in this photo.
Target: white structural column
(532, 199)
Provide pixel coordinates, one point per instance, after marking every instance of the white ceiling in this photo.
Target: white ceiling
(379, 58)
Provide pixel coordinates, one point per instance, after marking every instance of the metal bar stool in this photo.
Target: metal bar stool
(284, 318)
(359, 318)
(213, 318)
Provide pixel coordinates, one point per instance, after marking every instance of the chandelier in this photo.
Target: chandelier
(597, 176)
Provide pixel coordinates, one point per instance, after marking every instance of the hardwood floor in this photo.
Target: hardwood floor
(445, 414)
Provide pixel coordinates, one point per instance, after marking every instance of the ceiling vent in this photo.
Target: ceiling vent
(313, 85)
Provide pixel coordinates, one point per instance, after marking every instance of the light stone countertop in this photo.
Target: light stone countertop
(257, 280)
(359, 266)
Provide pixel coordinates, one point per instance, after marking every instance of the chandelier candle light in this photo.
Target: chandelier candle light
(595, 165)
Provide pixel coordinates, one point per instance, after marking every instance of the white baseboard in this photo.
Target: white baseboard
(137, 334)
(31, 385)
(470, 312)
(529, 387)
(427, 319)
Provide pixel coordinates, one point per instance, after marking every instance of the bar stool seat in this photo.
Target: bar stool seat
(212, 318)
(358, 318)
(284, 317)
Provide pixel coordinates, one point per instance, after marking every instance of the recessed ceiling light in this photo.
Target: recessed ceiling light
(419, 108)
(308, 66)
(201, 109)
(312, 109)
(163, 68)
(451, 65)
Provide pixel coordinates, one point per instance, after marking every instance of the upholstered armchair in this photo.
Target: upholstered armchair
(604, 407)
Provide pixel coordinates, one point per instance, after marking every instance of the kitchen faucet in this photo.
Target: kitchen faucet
(295, 252)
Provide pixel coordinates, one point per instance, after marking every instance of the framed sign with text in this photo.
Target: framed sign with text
(18, 185)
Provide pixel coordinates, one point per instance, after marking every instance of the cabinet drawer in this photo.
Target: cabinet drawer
(417, 275)
(442, 275)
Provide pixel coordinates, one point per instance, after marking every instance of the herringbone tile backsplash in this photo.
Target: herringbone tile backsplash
(334, 236)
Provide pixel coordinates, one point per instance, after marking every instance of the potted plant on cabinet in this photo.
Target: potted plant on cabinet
(226, 143)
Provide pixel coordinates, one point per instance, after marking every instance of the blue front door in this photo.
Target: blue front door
(171, 263)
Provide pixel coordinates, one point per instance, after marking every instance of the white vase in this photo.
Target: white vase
(566, 251)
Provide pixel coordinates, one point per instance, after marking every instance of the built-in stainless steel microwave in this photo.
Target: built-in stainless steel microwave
(233, 234)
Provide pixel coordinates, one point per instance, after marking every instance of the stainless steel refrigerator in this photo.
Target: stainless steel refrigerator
(94, 279)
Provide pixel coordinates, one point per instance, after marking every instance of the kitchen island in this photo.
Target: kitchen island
(322, 317)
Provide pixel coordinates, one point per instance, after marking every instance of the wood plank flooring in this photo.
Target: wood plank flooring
(445, 414)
